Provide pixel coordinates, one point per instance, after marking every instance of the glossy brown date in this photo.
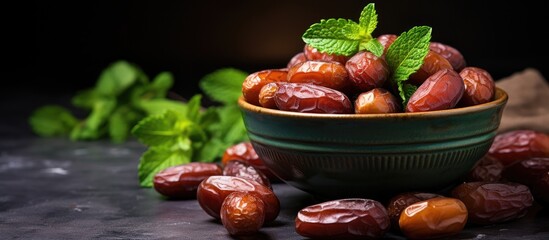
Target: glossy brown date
(386, 40)
(479, 86)
(213, 191)
(255, 81)
(242, 213)
(239, 168)
(490, 203)
(182, 181)
(266, 95)
(487, 169)
(432, 63)
(310, 98)
(377, 100)
(451, 54)
(244, 151)
(298, 58)
(437, 217)
(440, 91)
(366, 71)
(517, 145)
(400, 202)
(527, 171)
(541, 189)
(328, 74)
(313, 54)
(343, 219)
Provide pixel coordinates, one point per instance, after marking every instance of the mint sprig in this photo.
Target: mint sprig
(344, 36)
(405, 56)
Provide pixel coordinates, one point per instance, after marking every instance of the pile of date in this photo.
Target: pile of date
(501, 187)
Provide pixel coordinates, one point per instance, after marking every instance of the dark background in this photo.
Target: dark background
(74, 41)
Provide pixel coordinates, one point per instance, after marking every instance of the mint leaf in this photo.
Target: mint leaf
(163, 129)
(224, 85)
(334, 36)
(52, 120)
(120, 123)
(160, 105)
(368, 19)
(157, 159)
(405, 56)
(85, 99)
(193, 108)
(210, 150)
(92, 127)
(373, 46)
(162, 83)
(407, 90)
(116, 78)
(231, 128)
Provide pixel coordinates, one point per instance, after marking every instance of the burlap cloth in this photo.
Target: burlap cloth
(528, 105)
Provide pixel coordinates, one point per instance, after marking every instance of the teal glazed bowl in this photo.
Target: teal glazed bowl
(360, 155)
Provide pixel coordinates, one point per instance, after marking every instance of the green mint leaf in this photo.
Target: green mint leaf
(210, 151)
(92, 127)
(223, 85)
(209, 117)
(116, 78)
(231, 128)
(373, 46)
(334, 36)
(52, 120)
(406, 91)
(160, 105)
(120, 123)
(85, 99)
(405, 56)
(368, 19)
(164, 129)
(160, 85)
(157, 159)
(193, 108)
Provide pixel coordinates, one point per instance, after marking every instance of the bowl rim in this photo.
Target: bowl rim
(500, 98)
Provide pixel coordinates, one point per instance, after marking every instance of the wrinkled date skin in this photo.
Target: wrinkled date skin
(487, 169)
(517, 145)
(528, 171)
(266, 95)
(244, 151)
(366, 71)
(400, 202)
(432, 63)
(313, 54)
(479, 86)
(352, 218)
(182, 181)
(328, 74)
(213, 191)
(255, 81)
(451, 54)
(310, 98)
(386, 40)
(541, 189)
(377, 100)
(441, 91)
(242, 213)
(239, 168)
(490, 203)
(436, 217)
(296, 59)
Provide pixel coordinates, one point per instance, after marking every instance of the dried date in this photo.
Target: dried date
(313, 54)
(517, 145)
(328, 74)
(182, 181)
(242, 213)
(440, 91)
(310, 98)
(244, 151)
(367, 71)
(487, 169)
(479, 86)
(451, 54)
(239, 168)
(377, 100)
(255, 81)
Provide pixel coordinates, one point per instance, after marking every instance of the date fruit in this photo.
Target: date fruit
(310, 98)
(239, 168)
(432, 63)
(386, 40)
(344, 218)
(255, 81)
(479, 86)
(517, 145)
(182, 181)
(313, 54)
(436, 217)
(400, 202)
(527, 171)
(328, 74)
(541, 189)
(366, 71)
(451, 54)
(242, 213)
(490, 203)
(266, 95)
(377, 100)
(298, 58)
(487, 169)
(245, 151)
(442, 90)
(213, 191)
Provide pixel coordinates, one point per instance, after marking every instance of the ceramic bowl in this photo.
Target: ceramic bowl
(360, 155)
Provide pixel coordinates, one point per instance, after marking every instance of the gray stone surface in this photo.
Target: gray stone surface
(58, 189)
